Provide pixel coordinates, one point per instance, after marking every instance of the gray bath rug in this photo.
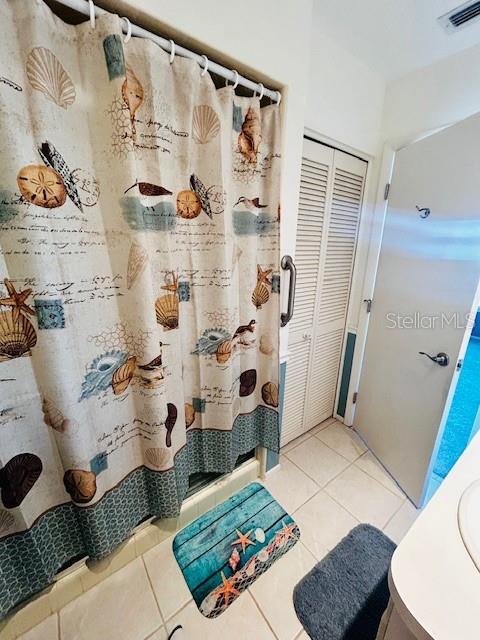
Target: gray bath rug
(344, 596)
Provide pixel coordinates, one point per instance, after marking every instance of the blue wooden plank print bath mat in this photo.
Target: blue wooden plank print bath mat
(224, 551)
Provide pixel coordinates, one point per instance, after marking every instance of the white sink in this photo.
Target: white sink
(469, 521)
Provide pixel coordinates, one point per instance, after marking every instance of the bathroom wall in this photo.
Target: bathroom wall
(432, 97)
(345, 98)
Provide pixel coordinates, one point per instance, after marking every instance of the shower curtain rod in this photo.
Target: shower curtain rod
(82, 6)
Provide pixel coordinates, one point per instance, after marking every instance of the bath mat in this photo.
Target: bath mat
(344, 596)
(225, 550)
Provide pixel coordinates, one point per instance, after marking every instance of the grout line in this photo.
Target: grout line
(344, 508)
(154, 632)
(307, 549)
(297, 445)
(331, 479)
(153, 591)
(315, 435)
(392, 516)
(382, 468)
(261, 612)
(403, 497)
(59, 633)
(308, 499)
(310, 434)
(184, 606)
(337, 452)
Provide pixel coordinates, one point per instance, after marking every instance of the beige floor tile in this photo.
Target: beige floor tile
(290, 486)
(322, 425)
(167, 580)
(7, 629)
(342, 440)
(241, 621)
(364, 497)
(318, 461)
(294, 443)
(122, 607)
(369, 464)
(401, 522)
(323, 523)
(46, 630)
(273, 591)
(160, 634)
(303, 636)
(33, 612)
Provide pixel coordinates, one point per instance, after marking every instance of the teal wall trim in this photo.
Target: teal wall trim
(30, 559)
(273, 457)
(346, 373)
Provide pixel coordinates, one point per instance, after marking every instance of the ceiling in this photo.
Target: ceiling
(393, 37)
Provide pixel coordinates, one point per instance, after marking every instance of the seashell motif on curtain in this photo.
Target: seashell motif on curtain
(46, 74)
(18, 477)
(137, 263)
(17, 336)
(158, 457)
(206, 124)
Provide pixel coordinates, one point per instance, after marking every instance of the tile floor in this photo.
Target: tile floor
(327, 480)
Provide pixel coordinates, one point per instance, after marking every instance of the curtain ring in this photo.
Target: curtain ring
(91, 7)
(235, 75)
(279, 98)
(205, 68)
(129, 30)
(172, 51)
(262, 91)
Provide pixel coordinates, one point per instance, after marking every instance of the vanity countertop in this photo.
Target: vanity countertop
(434, 583)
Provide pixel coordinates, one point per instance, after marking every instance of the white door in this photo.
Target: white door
(331, 193)
(428, 273)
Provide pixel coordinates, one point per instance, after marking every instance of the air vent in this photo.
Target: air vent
(461, 17)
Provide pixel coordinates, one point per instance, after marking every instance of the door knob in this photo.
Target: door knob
(441, 358)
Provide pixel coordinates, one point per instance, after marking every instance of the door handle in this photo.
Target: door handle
(441, 358)
(288, 265)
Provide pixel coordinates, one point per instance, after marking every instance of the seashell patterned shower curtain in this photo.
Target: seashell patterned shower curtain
(139, 286)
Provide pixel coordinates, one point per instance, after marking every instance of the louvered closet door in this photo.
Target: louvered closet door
(331, 196)
(341, 231)
(317, 164)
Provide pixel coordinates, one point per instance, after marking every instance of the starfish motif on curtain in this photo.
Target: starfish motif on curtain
(262, 276)
(227, 590)
(243, 539)
(17, 300)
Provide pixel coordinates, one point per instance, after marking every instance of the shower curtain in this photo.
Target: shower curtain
(139, 286)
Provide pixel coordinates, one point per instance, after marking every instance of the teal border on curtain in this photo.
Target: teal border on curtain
(273, 457)
(346, 374)
(30, 559)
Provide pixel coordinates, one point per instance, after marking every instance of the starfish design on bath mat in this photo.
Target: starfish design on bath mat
(286, 533)
(227, 590)
(17, 300)
(243, 539)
